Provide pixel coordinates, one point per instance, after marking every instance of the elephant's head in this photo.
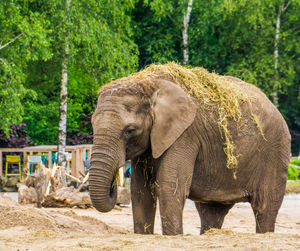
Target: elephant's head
(130, 119)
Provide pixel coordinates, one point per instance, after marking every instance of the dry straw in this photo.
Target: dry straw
(211, 90)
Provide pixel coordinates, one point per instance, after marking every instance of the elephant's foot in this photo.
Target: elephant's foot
(171, 225)
(265, 221)
(146, 228)
(212, 215)
(265, 209)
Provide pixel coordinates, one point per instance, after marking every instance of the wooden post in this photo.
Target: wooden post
(84, 154)
(24, 159)
(73, 163)
(81, 158)
(49, 159)
(78, 158)
(88, 153)
(121, 176)
(1, 169)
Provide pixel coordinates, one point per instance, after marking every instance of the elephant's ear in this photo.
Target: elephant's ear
(174, 111)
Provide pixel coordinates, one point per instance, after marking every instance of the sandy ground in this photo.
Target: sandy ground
(28, 228)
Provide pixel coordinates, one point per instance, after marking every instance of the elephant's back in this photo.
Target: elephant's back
(262, 135)
(261, 142)
(261, 110)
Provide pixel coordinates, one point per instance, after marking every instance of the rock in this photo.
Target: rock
(10, 189)
(2, 182)
(11, 182)
(123, 196)
(27, 195)
(10, 185)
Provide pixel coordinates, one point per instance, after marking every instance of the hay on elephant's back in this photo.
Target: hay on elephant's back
(208, 88)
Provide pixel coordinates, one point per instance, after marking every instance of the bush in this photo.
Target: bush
(17, 137)
(294, 169)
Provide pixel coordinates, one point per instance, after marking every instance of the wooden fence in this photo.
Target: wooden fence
(79, 153)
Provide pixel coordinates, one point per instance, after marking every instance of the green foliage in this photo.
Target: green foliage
(101, 48)
(111, 39)
(294, 169)
(295, 162)
(23, 33)
(158, 31)
(232, 38)
(293, 173)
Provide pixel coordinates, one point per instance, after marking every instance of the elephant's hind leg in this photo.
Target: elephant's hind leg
(212, 214)
(265, 213)
(268, 192)
(265, 221)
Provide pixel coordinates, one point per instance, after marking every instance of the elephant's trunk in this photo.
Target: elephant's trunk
(102, 184)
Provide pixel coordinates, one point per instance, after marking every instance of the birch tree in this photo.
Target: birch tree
(62, 128)
(186, 21)
(282, 8)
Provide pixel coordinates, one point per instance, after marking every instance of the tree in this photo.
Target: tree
(232, 38)
(23, 33)
(186, 20)
(100, 49)
(282, 8)
(62, 128)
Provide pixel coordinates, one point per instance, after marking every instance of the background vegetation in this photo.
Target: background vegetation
(111, 39)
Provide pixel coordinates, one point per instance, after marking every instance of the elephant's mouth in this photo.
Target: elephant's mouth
(132, 152)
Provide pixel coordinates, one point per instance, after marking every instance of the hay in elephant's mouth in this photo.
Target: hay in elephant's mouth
(209, 89)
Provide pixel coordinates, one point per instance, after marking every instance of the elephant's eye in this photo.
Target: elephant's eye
(130, 131)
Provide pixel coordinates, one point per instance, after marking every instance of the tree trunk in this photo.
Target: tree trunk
(62, 129)
(282, 8)
(186, 21)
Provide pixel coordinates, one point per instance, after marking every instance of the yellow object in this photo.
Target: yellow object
(69, 165)
(69, 159)
(10, 160)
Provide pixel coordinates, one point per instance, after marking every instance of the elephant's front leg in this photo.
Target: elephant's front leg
(173, 185)
(143, 195)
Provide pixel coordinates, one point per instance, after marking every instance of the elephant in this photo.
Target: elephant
(179, 147)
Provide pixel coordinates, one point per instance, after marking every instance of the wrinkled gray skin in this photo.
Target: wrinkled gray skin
(177, 153)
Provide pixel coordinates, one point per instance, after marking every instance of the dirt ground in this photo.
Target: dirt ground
(28, 228)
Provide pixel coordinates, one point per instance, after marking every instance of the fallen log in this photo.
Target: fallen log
(48, 188)
(67, 197)
(73, 178)
(52, 175)
(83, 182)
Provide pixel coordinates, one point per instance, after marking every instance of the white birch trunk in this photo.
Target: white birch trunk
(62, 128)
(186, 21)
(13, 40)
(282, 8)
